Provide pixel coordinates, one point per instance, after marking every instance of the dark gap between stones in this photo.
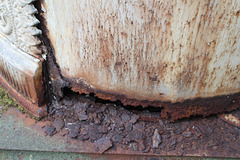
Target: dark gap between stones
(69, 93)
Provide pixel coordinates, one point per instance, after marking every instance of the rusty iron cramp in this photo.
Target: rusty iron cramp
(182, 57)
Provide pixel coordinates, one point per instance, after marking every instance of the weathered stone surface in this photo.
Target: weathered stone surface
(20, 62)
(153, 50)
(18, 24)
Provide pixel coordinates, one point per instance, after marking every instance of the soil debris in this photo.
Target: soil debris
(231, 119)
(74, 130)
(110, 126)
(103, 144)
(156, 139)
(49, 130)
(58, 124)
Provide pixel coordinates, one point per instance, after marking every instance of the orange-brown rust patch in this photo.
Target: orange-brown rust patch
(105, 52)
(35, 109)
(174, 111)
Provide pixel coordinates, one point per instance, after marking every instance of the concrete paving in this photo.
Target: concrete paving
(23, 138)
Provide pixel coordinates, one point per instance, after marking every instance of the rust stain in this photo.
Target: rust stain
(106, 53)
(149, 52)
(158, 50)
(172, 111)
(34, 109)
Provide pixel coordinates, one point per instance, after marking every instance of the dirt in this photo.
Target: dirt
(110, 125)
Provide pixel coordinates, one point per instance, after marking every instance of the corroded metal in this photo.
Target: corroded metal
(160, 53)
(174, 111)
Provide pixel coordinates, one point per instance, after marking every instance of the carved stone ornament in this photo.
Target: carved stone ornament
(18, 24)
(20, 65)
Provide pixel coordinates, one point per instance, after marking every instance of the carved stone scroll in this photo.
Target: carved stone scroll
(18, 24)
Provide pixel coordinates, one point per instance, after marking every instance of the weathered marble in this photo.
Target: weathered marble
(153, 50)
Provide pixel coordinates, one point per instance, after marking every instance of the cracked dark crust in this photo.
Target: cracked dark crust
(173, 111)
(51, 72)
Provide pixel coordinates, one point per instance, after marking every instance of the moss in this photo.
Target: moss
(5, 100)
(35, 118)
(24, 111)
(21, 109)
